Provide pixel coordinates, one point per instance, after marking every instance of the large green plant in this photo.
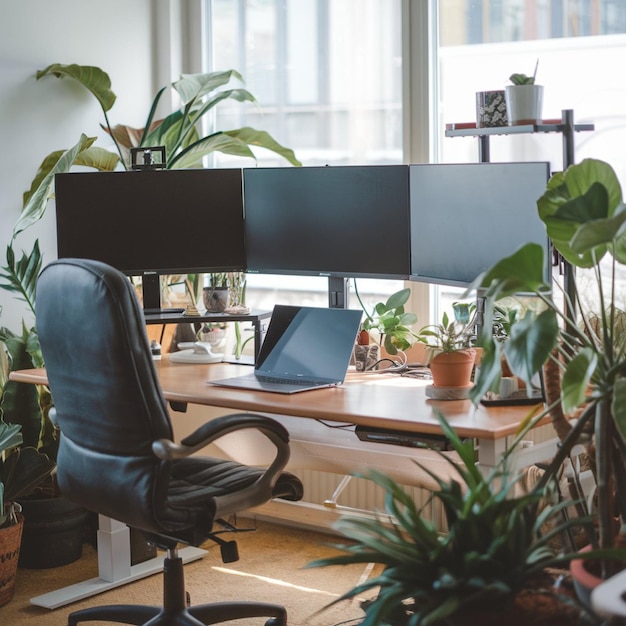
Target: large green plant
(585, 218)
(498, 541)
(180, 132)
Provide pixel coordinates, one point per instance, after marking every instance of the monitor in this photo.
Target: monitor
(466, 217)
(344, 221)
(151, 223)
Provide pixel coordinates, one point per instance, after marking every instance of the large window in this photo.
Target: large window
(331, 77)
(327, 77)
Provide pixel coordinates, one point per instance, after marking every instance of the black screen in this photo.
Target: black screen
(466, 217)
(328, 221)
(163, 222)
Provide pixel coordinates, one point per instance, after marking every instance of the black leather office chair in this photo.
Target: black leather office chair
(116, 455)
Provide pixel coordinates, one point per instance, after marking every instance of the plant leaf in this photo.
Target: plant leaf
(532, 340)
(92, 78)
(618, 407)
(38, 199)
(576, 378)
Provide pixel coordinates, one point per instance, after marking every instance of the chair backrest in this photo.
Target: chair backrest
(105, 391)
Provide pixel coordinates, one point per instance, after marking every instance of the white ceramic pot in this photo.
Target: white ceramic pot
(524, 104)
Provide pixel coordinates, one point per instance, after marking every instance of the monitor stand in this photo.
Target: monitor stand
(338, 292)
(151, 288)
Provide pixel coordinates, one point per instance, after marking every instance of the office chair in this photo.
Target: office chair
(116, 455)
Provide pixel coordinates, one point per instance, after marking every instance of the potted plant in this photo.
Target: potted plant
(524, 99)
(491, 562)
(215, 294)
(22, 468)
(54, 527)
(388, 322)
(451, 347)
(585, 218)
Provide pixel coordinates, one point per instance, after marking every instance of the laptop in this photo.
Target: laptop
(304, 348)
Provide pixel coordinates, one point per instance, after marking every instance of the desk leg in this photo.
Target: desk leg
(114, 568)
(490, 452)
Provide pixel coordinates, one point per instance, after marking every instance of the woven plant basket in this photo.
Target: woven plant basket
(10, 539)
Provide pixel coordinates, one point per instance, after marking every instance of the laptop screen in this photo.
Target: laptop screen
(309, 342)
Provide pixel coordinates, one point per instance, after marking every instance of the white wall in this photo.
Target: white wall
(37, 117)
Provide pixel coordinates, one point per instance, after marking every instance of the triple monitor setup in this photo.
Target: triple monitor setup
(434, 223)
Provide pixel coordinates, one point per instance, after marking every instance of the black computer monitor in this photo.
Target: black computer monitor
(466, 217)
(344, 221)
(151, 223)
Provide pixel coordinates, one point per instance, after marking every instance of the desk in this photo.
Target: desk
(377, 400)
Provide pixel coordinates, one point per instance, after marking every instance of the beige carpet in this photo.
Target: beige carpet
(271, 568)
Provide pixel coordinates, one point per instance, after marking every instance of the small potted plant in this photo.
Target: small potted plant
(450, 344)
(22, 469)
(386, 326)
(524, 99)
(215, 294)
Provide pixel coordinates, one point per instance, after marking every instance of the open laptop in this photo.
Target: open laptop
(304, 348)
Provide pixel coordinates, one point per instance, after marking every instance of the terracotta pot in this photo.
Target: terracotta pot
(584, 581)
(453, 369)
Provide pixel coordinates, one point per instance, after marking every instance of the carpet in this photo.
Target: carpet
(272, 568)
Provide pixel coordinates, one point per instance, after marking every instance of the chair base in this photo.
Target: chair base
(200, 615)
(175, 610)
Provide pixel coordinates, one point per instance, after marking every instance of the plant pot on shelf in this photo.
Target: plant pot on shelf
(524, 104)
(10, 540)
(215, 299)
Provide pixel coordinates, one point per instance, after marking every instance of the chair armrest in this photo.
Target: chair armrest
(216, 428)
(265, 487)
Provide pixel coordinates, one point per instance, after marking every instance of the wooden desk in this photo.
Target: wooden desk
(377, 400)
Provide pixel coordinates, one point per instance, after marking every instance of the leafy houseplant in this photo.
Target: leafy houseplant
(452, 334)
(450, 344)
(179, 132)
(494, 547)
(22, 469)
(585, 218)
(522, 79)
(524, 99)
(390, 322)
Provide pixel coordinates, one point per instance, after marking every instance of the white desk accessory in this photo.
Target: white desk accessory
(195, 352)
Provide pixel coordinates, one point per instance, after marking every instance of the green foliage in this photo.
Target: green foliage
(391, 321)
(451, 334)
(522, 79)
(22, 469)
(496, 543)
(585, 217)
(181, 131)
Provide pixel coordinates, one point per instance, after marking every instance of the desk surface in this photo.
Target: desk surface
(378, 400)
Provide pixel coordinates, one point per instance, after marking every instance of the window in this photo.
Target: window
(577, 44)
(327, 77)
